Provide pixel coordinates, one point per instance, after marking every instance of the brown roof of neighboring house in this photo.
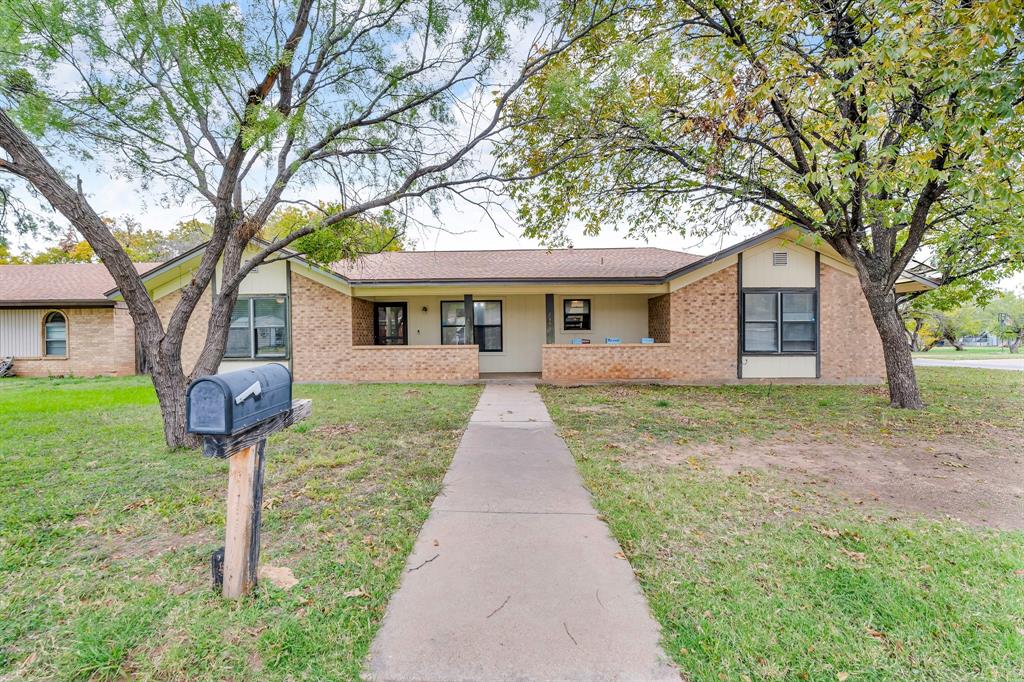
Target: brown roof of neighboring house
(519, 264)
(59, 284)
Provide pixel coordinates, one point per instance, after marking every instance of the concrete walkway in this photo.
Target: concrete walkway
(513, 576)
(992, 363)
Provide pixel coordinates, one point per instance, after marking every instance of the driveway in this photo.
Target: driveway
(1012, 364)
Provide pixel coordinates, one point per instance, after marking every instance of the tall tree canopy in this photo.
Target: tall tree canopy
(883, 127)
(238, 107)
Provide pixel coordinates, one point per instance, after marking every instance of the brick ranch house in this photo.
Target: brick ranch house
(779, 306)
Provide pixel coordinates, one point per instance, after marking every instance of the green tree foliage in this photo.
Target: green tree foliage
(349, 238)
(238, 107)
(1005, 318)
(8, 258)
(890, 129)
(949, 325)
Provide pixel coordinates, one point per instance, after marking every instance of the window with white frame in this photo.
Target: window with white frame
(258, 328)
(780, 321)
(55, 335)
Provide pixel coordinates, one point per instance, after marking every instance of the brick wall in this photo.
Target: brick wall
(414, 363)
(597, 362)
(704, 328)
(325, 323)
(321, 331)
(195, 332)
(659, 318)
(362, 322)
(101, 341)
(851, 350)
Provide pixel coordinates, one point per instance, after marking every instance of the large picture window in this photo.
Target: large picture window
(780, 322)
(258, 328)
(55, 335)
(486, 324)
(576, 314)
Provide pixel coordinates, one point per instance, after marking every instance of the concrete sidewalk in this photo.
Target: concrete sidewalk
(992, 363)
(513, 576)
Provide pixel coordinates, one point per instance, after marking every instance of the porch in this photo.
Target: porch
(549, 336)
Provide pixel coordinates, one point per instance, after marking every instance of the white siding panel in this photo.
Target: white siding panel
(20, 332)
(779, 367)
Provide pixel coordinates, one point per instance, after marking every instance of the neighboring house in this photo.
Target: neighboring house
(57, 320)
(778, 306)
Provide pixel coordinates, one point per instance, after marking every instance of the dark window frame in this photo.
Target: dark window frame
(588, 315)
(377, 307)
(779, 320)
(252, 354)
(47, 339)
(477, 327)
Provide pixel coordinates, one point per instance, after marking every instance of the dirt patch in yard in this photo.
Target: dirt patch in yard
(948, 478)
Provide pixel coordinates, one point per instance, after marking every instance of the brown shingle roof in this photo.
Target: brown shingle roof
(519, 264)
(65, 283)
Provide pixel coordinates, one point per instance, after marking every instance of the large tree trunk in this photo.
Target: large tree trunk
(899, 365)
(170, 384)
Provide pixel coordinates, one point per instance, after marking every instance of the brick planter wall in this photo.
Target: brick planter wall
(602, 362)
(101, 342)
(414, 363)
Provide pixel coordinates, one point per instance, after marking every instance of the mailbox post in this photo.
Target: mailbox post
(235, 412)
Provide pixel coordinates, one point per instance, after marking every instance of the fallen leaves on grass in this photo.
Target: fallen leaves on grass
(137, 504)
(856, 556)
(356, 593)
(278, 576)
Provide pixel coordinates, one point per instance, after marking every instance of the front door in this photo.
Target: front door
(390, 327)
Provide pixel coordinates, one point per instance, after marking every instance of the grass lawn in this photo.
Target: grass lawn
(105, 536)
(969, 353)
(758, 575)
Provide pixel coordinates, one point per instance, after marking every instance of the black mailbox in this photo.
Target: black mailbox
(224, 404)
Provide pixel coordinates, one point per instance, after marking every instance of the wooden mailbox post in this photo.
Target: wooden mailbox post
(230, 412)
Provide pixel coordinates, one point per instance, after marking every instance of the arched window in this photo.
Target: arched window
(55, 335)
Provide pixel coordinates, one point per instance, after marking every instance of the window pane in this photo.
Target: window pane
(487, 312)
(56, 347)
(268, 312)
(271, 341)
(760, 307)
(240, 314)
(391, 324)
(759, 336)
(56, 331)
(453, 335)
(798, 307)
(453, 312)
(489, 338)
(238, 342)
(577, 306)
(798, 336)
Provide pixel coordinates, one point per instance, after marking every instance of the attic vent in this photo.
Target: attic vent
(780, 257)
